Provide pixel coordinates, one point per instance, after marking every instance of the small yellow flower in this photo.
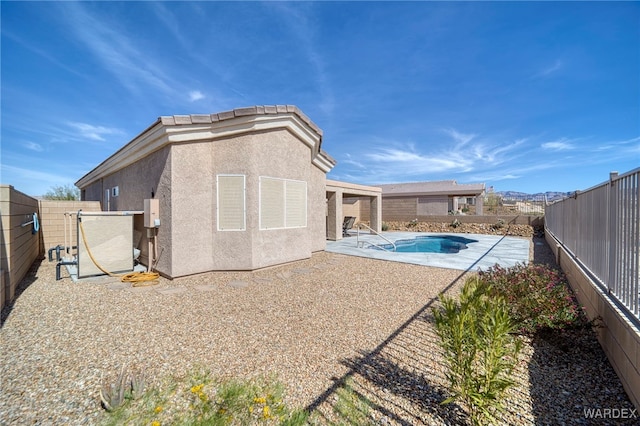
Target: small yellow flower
(197, 389)
(266, 412)
(202, 396)
(155, 423)
(222, 411)
(251, 409)
(260, 400)
(158, 409)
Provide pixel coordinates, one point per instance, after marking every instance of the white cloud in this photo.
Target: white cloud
(33, 146)
(634, 143)
(455, 157)
(33, 181)
(563, 144)
(195, 95)
(460, 138)
(92, 132)
(300, 19)
(110, 45)
(550, 69)
(411, 162)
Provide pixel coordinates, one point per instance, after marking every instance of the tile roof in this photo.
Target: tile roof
(175, 120)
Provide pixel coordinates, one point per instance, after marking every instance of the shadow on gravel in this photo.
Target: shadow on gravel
(571, 378)
(379, 369)
(568, 376)
(393, 382)
(30, 278)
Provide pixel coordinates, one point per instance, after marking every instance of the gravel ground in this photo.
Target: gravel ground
(314, 323)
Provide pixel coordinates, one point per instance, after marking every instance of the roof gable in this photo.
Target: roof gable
(173, 129)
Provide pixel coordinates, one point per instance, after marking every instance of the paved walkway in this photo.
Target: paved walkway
(488, 251)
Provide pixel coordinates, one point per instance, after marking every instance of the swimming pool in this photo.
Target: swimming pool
(483, 254)
(428, 244)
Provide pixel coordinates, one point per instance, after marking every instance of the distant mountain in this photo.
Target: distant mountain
(551, 195)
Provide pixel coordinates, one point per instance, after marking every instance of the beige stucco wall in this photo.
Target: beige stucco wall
(358, 207)
(196, 243)
(136, 182)
(193, 209)
(317, 209)
(351, 207)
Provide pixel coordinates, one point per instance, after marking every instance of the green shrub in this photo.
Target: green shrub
(538, 296)
(385, 226)
(480, 352)
(456, 223)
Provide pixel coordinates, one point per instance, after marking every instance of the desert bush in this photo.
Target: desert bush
(498, 225)
(456, 223)
(128, 385)
(198, 399)
(539, 296)
(385, 226)
(479, 350)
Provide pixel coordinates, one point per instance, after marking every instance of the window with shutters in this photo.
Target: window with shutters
(283, 203)
(231, 209)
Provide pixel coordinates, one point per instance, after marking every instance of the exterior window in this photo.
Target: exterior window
(231, 209)
(115, 191)
(283, 203)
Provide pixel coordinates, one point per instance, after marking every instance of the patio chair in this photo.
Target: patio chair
(347, 224)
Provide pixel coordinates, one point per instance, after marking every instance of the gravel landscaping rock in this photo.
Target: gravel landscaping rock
(344, 318)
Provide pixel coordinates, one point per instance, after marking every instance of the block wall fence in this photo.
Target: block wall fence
(20, 248)
(53, 220)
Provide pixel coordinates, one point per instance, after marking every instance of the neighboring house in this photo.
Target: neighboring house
(238, 190)
(407, 201)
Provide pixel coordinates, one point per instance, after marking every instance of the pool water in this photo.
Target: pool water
(429, 244)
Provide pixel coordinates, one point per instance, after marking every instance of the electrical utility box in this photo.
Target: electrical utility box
(151, 213)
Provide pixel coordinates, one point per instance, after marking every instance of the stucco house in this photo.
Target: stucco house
(406, 201)
(238, 190)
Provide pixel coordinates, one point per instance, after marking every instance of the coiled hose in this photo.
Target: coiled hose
(137, 279)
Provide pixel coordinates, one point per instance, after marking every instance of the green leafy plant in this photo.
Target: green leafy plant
(59, 192)
(479, 350)
(456, 223)
(539, 297)
(385, 226)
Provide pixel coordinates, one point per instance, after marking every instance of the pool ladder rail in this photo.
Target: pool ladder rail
(370, 243)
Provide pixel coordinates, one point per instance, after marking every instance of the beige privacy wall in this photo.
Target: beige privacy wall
(20, 247)
(52, 220)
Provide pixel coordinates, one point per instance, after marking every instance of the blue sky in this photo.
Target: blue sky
(541, 96)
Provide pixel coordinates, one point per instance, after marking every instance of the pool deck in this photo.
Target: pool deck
(488, 251)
